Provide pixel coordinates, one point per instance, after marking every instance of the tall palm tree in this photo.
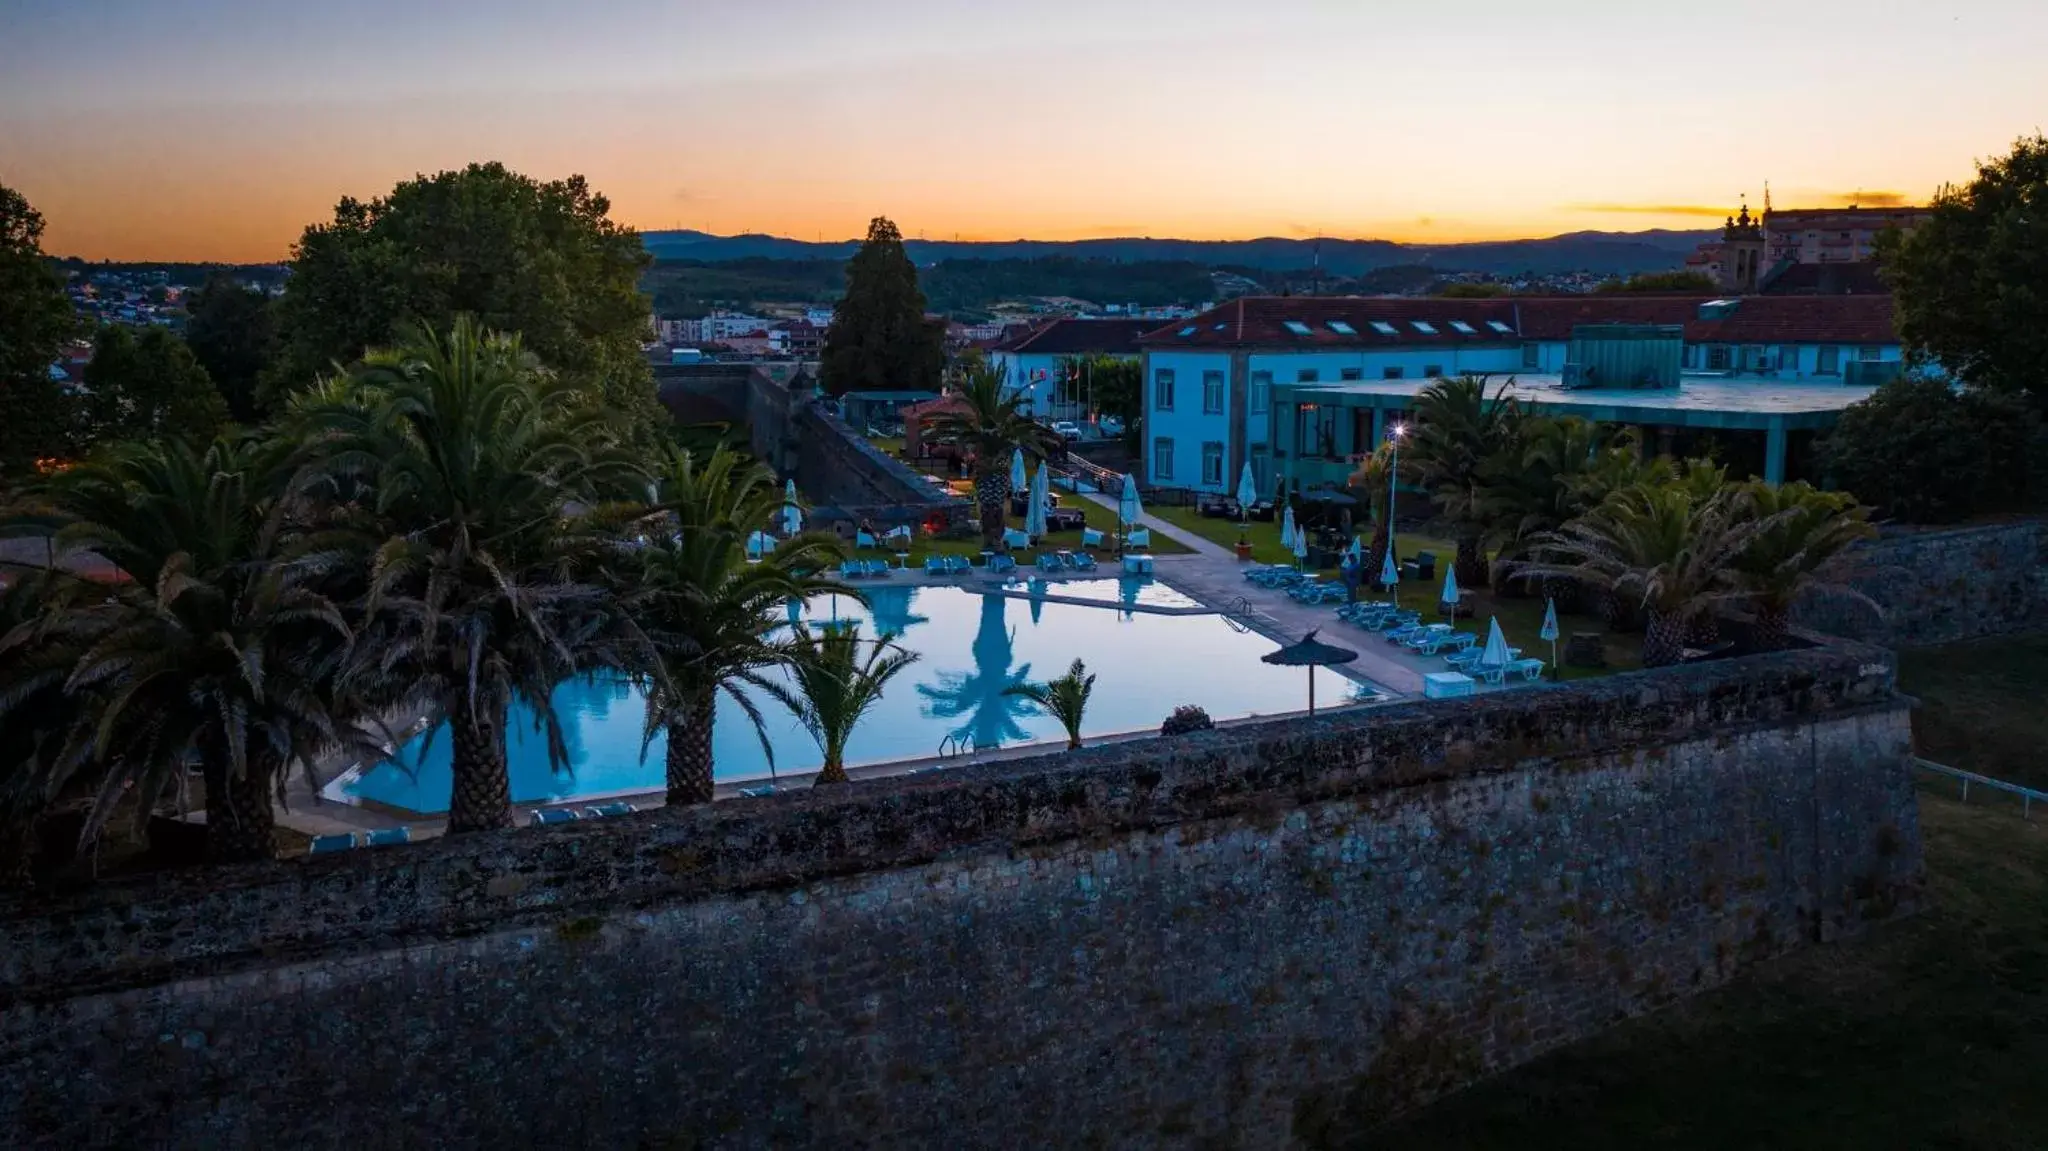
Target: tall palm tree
(218, 650)
(1659, 546)
(474, 468)
(1800, 535)
(44, 731)
(991, 423)
(709, 614)
(1064, 698)
(1458, 429)
(1371, 477)
(835, 687)
(1535, 487)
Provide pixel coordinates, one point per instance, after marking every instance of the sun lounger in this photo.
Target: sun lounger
(328, 844)
(851, 569)
(878, 569)
(1463, 659)
(617, 807)
(958, 565)
(864, 540)
(1016, 539)
(898, 534)
(553, 816)
(765, 789)
(1047, 562)
(1091, 538)
(1140, 538)
(385, 836)
(1002, 564)
(1530, 670)
(935, 565)
(1083, 562)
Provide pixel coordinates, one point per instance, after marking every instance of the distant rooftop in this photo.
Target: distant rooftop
(1070, 337)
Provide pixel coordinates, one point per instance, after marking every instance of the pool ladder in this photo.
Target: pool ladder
(1239, 614)
(956, 744)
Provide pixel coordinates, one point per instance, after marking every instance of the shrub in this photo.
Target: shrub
(1186, 718)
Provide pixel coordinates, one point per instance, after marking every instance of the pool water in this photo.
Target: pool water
(973, 646)
(1113, 591)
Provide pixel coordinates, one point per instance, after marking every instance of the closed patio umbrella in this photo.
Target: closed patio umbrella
(1287, 528)
(1495, 654)
(1300, 547)
(1016, 469)
(1034, 517)
(792, 516)
(1549, 631)
(1451, 590)
(1390, 576)
(1310, 653)
(1247, 494)
(1128, 509)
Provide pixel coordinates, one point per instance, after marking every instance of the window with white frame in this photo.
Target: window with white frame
(1162, 458)
(1212, 462)
(1717, 357)
(1261, 394)
(1162, 389)
(1212, 393)
(1867, 354)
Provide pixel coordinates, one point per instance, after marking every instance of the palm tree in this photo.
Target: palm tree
(708, 613)
(1659, 546)
(1800, 533)
(1458, 428)
(475, 468)
(1371, 478)
(1064, 698)
(991, 423)
(835, 687)
(1536, 487)
(43, 728)
(218, 650)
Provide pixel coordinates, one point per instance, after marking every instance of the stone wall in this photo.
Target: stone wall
(704, 393)
(1941, 587)
(1274, 932)
(836, 465)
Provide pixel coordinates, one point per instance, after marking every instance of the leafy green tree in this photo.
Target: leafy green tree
(218, 649)
(148, 387)
(1064, 698)
(543, 260)
(469, 464)
(879, 339)
(709, 614)
(35, 320)
(1655, 283)
(991, 422)
(234, 336)
(1972, 280)
(1659, 547)
(835, 687)
(1112, 383)
(1800, 535)
(1923, 451)
(1458, 429)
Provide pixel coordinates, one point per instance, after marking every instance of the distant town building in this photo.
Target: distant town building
(1034, 361)
(1754, 253)
(1833, 235)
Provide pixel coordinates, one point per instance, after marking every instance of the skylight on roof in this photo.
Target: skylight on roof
(1384, 328)
(1220, 325)
(1424, 326)
(1463, 328)
(1500, 327)
(1342, 328)
(1187, 331)
(1295, 326)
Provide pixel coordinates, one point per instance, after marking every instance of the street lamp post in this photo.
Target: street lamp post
(1394, 435)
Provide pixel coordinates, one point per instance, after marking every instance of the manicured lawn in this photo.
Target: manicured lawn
(1984, 706)
(1929, 1032)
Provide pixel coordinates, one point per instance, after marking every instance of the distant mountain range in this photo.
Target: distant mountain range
(1606, 253)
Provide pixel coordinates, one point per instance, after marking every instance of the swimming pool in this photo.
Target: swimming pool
(973, 647)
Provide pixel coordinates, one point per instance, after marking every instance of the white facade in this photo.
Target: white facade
(1037, 376)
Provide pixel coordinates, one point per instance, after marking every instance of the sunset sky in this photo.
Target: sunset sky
(217, 129)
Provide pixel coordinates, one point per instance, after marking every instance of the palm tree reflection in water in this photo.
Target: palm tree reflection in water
(983, 695)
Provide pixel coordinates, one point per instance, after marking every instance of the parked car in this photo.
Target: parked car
(1068, 430)
(1110, 425)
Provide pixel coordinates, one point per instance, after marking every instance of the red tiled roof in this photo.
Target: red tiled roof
(1262, 321)
(1754, 319)
(1068, 337)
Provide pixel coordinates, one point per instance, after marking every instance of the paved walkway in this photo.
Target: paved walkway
(1208, 549)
